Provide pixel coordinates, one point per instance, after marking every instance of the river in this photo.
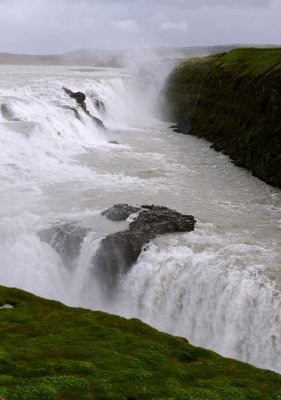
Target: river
(219, 286)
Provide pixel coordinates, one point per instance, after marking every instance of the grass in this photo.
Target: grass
(52, 352)
(233, 99)
(251, 62)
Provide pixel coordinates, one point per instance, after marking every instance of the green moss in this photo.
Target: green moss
(253, 62)
(234, 100)
(52, 352)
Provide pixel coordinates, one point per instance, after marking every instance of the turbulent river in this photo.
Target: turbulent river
(219, 286)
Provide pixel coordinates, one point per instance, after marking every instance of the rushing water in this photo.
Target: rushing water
(219, 286)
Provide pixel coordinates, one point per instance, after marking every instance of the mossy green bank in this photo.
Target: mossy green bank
(234, 100)
(52, 352)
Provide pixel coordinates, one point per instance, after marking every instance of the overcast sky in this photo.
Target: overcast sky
(54, 26)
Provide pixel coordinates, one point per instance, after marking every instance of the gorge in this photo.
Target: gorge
(217, 286)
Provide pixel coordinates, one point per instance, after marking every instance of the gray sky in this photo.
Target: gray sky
(53, 26)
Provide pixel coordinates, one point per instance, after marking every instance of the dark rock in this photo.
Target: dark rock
(6, 111)
(113, 142)
(177, 130)
(78, 96)
(120, 212)
(159, 220)
(80, 99)
(119, 251)
(66, 239)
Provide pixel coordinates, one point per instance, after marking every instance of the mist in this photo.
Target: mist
(64, 161)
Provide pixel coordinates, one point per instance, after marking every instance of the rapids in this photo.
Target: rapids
(219, 286)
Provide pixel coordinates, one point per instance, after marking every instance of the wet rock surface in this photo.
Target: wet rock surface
(66, 239)
(120, 212)
(113, 142)
(6, 111)
(80, 98)
(119, 251)
(177, 130)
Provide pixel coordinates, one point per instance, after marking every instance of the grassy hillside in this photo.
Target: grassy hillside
(234, 100)
(49, 351)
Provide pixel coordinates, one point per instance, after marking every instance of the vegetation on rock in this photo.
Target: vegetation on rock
(234, 100)
(52, 352)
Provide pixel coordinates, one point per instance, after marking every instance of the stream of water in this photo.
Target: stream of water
(219, 286)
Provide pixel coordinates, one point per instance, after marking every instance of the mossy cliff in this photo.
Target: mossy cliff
(234, 100)
(52, 352)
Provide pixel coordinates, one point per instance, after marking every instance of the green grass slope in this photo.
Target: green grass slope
(49, 351)
(234, 100)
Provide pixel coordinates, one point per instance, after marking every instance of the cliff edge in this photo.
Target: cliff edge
(232, 99)
(52, 352)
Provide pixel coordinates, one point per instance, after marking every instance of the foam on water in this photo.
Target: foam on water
(218, 286)
(211, 289)
(45, 134)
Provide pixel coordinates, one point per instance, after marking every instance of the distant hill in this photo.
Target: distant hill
(114, 58)
(110, 58)
(11, 59)
(79, 57)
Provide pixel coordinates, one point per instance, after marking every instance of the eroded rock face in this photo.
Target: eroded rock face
(119, 251)
(120, 212)
(234, 101)
(78, 96)
(80, 99)
(66, 239)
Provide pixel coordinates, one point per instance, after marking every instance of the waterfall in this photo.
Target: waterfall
(219, 286)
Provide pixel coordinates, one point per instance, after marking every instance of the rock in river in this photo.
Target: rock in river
(6, 111)
(119, 251)
(80, 98)
(66, 239)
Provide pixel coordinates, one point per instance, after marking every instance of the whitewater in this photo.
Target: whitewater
(219, 286)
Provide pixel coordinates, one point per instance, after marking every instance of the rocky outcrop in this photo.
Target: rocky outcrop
(120, 212)
(119, 251)
(233, 100)
(80, 100)
(66, 239)
(6, 111)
